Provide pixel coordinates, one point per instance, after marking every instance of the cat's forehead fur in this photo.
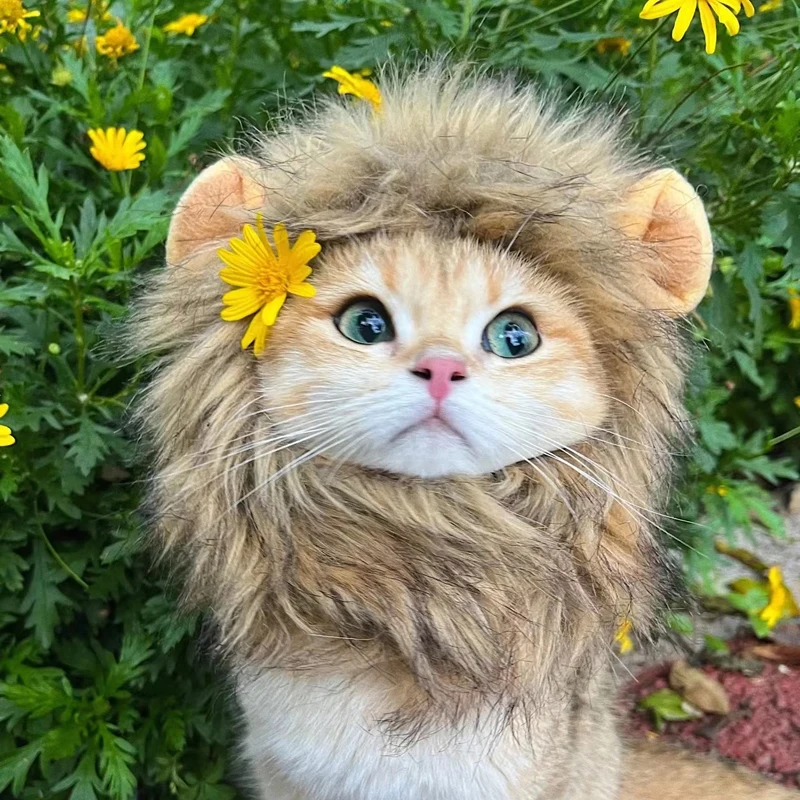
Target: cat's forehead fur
(442, 153)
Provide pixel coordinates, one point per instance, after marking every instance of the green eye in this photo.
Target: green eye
(365, 321)
(511, 334)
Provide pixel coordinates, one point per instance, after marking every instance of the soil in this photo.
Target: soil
(762, 730)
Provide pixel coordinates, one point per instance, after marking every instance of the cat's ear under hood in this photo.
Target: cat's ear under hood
(220, 200)
(664, 213)
(669, 267)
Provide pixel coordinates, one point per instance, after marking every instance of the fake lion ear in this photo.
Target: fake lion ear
(215, 206)
(664, 213)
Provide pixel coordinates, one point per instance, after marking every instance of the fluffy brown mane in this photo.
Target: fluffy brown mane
(490, 585)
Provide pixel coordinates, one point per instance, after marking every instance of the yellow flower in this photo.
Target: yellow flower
(14, 18)
(78, 15)
(117, 42)
(771, 5)
(726, 10)
(797, 401)
(355, 85)
(263, 277)
(187, 24)
(6, 438)
(622, 637)
(60, 76)
(614, 44)
(794, 310)
(781, 603)
(117, 149)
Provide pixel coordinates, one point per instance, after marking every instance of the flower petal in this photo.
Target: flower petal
(5, 441)
(270, 311)
(240, 303)
(281, 239)
(5, 430)
(253, 330)
(299, 274)
(302, 289)
(3, 409)
(237, 276)
(657, 10)
(709, 26)
(726, 17)
(261, 340)
(684, 19)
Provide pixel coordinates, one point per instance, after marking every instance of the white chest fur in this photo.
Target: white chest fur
(318, 738)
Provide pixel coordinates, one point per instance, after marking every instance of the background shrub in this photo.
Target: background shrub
(103, 692)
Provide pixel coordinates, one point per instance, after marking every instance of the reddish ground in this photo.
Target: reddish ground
(761, 732)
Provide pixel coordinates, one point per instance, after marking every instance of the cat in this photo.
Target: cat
(420, 516)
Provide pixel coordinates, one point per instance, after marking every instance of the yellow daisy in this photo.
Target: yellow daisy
(614, 44)
(771, 5)
(117, 42)
(263, 277)
(6, 438)
(117, 149)
(355, 85)
(623, 637)
(14, 18)
(726, 10)
(187, 24)
(781, 603)
(78, 15)
(794, 310)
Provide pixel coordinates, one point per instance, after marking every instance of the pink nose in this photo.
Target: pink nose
(440, 372)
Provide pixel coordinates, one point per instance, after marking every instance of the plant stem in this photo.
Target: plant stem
(784, 436)
(612, 80)
(55, 554)
(145, 56)
(80, 336)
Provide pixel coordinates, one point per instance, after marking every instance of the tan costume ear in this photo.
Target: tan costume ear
(215, 206)
(664, 212)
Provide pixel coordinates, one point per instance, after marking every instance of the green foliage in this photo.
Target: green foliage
(102, 694)
(666, 705)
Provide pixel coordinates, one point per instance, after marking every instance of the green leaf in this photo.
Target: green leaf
(32, 186)
(754, 600)
(713, 644)
(43, 597)
(14, 767)
(665, 705)
(11, 344)
(88, 445)
(84, 781)
(116, 754)
(681, 623)
(716, 435)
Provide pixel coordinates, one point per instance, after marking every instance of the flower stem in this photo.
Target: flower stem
(80, 336)
(145, 55)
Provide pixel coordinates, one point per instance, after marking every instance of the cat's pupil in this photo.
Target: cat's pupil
(370, 324)
(516, 338)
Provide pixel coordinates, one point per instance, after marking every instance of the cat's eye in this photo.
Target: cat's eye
(511, 334)
(365, 321)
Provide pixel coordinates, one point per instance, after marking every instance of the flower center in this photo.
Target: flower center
(270, 282)
(11, 11)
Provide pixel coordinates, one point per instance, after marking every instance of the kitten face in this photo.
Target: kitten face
(431, 358)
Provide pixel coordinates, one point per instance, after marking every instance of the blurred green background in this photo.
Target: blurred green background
(104, 690)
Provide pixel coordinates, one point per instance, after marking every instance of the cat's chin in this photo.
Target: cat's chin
(431, 449)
